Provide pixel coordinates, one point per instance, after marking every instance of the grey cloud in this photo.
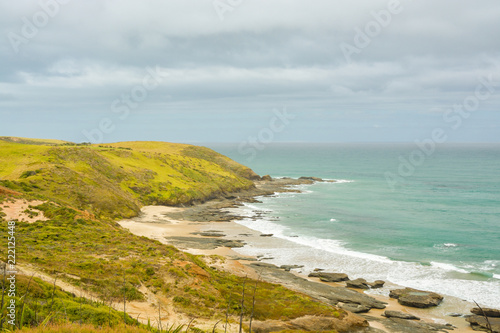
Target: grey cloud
(263, 53)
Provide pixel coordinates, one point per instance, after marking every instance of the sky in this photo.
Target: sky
(255, 71)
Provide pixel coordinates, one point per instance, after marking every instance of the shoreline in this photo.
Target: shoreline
(180, 227)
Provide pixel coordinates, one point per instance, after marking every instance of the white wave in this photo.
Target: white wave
(448, 267)
(332, 255)
(342, 181)
(333, 220)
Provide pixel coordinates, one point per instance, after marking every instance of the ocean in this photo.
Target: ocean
(414, 217)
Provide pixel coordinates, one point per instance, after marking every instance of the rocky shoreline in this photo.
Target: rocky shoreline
(329, 287)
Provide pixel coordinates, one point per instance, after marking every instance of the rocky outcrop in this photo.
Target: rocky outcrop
(287, 268)
(315, 179)
(354, 308)
(480, 323)
(376, 284)
(209, 233)
(488, 312)
(266, 178)
(357, 284)
(329, 277)
(413, 326)
(326, 293)
(347, 322)
(203, 243)
(400, 315)
(416, 298)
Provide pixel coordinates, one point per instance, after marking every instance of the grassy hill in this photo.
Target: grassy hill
(113, 181)
(81, 190)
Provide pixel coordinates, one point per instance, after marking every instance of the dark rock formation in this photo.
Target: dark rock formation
(210, 233)
(347, 322)
(287, 268)
(329, 294)
(408, 326)
(358, 284)
(267, 178)
(266, 235)
(376, 284)
(203, 243)
(488, 312)
(355, 308)
(330, 277)
(416, 298)
(401, 315)
(479, 323)
(315, 179)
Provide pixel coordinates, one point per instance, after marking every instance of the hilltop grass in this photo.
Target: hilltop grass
(114, 181)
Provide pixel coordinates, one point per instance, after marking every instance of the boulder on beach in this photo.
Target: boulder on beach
(488, 312)
(480, 323)
(376, 284)
(267, 178)
(348, 322)
(358, 284)
(401, 315)
(329, 277)
(354, 308)
(287, 268)
(416, 298)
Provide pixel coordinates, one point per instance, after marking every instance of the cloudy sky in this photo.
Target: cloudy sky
(226, 70)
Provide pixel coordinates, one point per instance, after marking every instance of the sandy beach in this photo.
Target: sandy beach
(208, 237)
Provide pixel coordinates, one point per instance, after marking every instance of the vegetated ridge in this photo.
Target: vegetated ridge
(84, 189)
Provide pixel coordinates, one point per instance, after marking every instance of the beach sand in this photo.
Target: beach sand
(155, 223)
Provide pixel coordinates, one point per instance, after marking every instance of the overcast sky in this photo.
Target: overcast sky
(227, 70)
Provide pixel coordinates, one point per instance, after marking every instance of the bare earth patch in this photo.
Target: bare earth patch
(18, 209)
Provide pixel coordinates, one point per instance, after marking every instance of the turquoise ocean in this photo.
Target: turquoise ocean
(434, 225)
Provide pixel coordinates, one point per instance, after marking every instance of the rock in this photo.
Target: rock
(347, 322)
(323, 292)
(488, 312)
(401, 315)
(376, 284)
(318, 269)
(263, 264)
(416, 298)
(203, 243)
(329, 277)
(358, 283)
(210, 233)
(316, 179)
(267, 178)
(242, 258)
(413, 326)
(287, 268)
(454, 314)
(354, 308)
(266, 235)
(479, 323)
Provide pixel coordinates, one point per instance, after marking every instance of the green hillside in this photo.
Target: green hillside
(80, 190)
(113, 181)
